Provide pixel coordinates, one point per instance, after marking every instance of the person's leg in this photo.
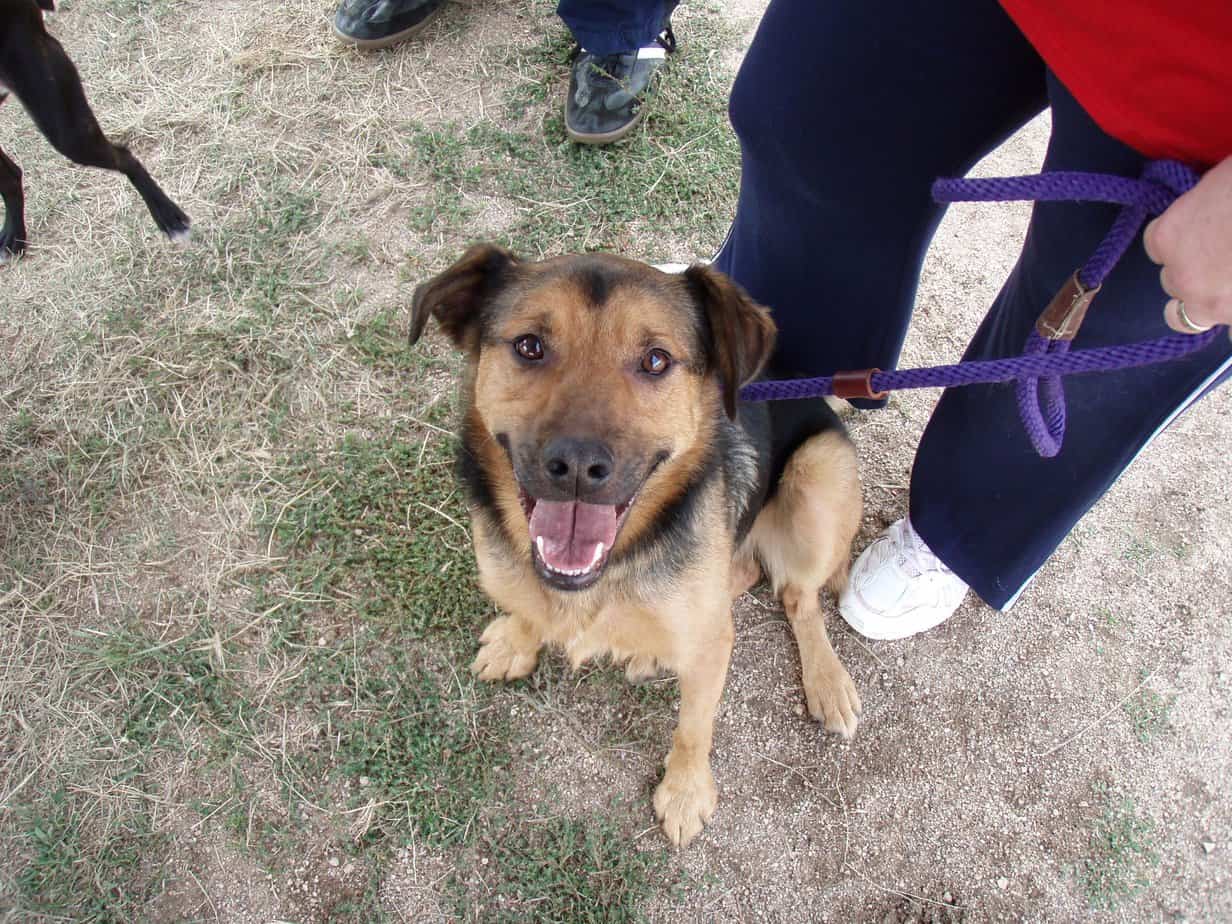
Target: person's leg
(981, 498)
(610, 27)
(621, 43)
(846, 113)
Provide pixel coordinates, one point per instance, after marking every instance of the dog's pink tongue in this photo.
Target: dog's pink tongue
(568, 533)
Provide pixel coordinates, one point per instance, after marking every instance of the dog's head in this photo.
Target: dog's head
(602, 379)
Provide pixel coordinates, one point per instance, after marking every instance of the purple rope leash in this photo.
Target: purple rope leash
(1162, 181)
(989, 371)
(1046, 358)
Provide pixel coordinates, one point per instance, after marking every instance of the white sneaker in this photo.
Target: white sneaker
(898, 587)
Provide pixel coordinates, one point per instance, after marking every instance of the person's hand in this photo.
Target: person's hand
(1192, 240)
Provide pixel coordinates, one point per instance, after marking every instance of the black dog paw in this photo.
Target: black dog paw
(12, 246)
(177, 226)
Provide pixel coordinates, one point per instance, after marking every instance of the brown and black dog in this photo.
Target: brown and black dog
(621, 495)
(35, 67)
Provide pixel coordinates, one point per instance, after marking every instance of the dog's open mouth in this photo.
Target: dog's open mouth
(571, 539)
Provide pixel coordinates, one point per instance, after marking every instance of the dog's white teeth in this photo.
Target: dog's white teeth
(571, 572)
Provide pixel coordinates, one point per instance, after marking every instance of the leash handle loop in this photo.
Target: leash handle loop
(1041, 400)
(1046, 355)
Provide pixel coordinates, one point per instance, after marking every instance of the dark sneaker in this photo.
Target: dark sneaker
(380, 23)
(604, 102)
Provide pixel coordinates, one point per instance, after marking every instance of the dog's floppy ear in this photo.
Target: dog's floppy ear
(741, 332)
(48, 5)
(455, 297)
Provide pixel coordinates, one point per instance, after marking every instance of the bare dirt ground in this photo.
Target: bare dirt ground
(983, 743)
(1068, 760)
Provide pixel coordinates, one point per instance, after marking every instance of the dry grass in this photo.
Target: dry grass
(233, 555)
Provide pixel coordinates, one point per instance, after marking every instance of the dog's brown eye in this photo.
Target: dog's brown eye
(529, 347)
(656, 362)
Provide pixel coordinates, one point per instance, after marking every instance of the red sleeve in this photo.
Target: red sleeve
(1155, 74)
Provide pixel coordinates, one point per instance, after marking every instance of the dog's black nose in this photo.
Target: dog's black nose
(577, 465)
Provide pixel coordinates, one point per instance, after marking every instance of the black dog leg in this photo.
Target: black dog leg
(13, 234)
(50, 89)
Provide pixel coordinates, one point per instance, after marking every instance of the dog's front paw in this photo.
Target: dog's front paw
(507, 651)
(684, 801)
(832, 697)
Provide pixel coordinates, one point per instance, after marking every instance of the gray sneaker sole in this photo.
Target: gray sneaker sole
(605, 137)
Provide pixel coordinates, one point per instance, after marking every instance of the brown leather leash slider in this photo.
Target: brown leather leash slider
(856, 383)
(1066, 312)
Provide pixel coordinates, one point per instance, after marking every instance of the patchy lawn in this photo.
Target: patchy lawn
(238, 601)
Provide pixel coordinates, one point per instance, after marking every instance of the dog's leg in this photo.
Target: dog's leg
(686, 798)
(745, 571)
(508, 649)
(50, 88)
(828, 688)
(13, 234)
(509, 646)
(803, 538)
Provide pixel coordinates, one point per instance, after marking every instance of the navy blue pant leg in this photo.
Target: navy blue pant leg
(846, 112)
(608, 27)
(983, 500)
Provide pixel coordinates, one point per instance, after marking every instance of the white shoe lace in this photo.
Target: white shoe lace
(914, 556)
